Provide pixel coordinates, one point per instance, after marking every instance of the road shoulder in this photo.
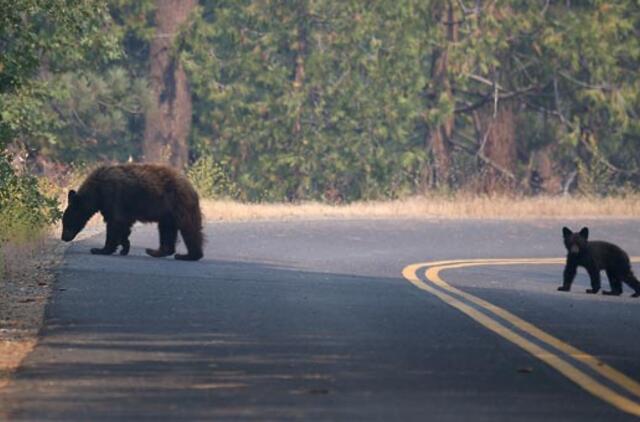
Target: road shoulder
(24, 294)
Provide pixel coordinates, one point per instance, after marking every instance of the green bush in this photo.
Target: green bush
(210, 179)
(24, 210)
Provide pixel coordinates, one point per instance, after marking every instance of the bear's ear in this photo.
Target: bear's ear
(566, 232)
(72, 196)
(584, 233)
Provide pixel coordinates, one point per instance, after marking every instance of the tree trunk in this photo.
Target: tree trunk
(441, 148)
(298, 80)
(439, 137)
(298, 88)
(168, 121)
(549, 178)
(498, 148)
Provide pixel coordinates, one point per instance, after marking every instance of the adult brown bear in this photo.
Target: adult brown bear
(127, 193)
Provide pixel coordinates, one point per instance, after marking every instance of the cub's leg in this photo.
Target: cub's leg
(168, 237)
(615, 283)
(568, 276)
(594, 275)
(632, 282)
(115, 231)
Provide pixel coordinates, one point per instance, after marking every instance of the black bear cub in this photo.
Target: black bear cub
(596, 256)
(127, 193)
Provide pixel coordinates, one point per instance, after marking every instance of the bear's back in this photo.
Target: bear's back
(609, 256)
(144, 192)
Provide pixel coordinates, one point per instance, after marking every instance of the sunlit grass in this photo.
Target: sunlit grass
(457, 206)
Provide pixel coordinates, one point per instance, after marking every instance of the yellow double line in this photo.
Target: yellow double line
(559, 354)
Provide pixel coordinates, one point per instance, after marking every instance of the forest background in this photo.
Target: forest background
(334, 101)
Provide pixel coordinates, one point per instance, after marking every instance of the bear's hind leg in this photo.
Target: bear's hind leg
(633, 282)
(168, 237)
(615, 283)
(126, 245)
(193, 242)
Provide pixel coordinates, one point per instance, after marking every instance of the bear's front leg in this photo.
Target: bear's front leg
(168, 237)
(594, 275)
(568, 275)
(126, 245)
(114, 236)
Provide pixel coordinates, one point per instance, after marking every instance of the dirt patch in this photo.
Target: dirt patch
(24, 291)
(25, 288)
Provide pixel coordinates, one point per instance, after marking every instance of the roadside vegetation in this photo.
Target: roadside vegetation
(26, 214)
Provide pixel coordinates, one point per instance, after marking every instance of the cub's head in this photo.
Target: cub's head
(75, 216)
(575, 242)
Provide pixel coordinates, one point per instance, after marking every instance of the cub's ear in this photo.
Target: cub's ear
(584, 233)
(566, 232)
(72, 196)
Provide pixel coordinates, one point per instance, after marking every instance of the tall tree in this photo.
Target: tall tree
(440, 133)
(168, 119)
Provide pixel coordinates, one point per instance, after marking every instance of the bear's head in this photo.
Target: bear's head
(75, 216)
(575, 243)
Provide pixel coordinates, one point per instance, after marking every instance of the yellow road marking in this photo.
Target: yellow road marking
(594, 363)
(552, 359)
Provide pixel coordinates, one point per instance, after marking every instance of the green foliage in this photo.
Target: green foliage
(355, 125)
(40, 36)
(595, 56)
(24, 211)
(310, 100)
(333, 100)
(66, 31)
(39, 39)
(67, 86)
(210, 179)
(98, 116)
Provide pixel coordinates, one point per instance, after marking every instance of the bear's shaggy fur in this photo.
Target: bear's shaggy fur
(596, 256)
(127, 193)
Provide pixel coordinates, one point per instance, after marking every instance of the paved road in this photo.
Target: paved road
(314, 321)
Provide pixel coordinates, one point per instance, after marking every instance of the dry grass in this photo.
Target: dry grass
(434, 207)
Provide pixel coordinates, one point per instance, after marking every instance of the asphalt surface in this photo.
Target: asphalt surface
(314, 321)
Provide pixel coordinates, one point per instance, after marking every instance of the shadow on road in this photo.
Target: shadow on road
(142, 339)
(216, 339)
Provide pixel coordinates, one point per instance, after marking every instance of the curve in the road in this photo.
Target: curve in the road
(556, 353)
